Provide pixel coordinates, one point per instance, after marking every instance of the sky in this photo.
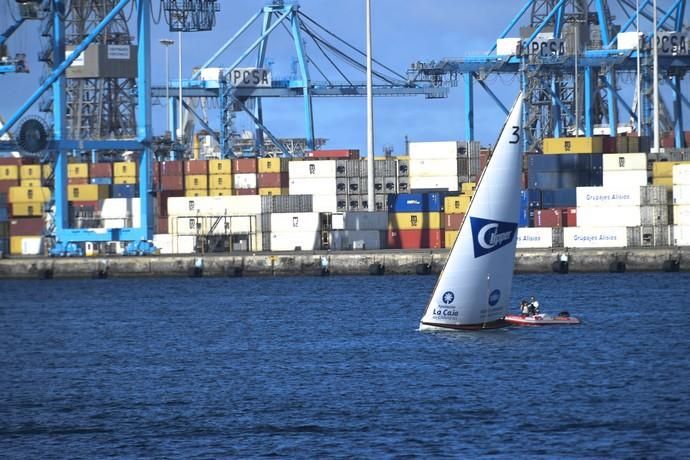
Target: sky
(404, 32)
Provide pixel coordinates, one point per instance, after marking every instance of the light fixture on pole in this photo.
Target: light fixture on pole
(167, 43)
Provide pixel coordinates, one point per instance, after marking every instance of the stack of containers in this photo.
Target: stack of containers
(348, 182)
(662, 173)
(620, 169)
(28, 201)
(556, 170)
(196, 178)
(352, 184)
(169, 175)
(273, 179)
(26, 235)
(280, 204)
(30, 175)
(84, 204)
(234, 219)
(434, 165)
(681, 205)
(245, 176)
(358, 230)
(455, 207)
(414, 221)
(300, 231)
(219, 177)
(316, 178)
(124, 179)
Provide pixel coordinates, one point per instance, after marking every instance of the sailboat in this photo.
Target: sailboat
(473, 289)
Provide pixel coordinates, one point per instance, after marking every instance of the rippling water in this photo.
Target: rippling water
(334, 367)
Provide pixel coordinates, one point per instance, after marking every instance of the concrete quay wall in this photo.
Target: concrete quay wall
(339, 263)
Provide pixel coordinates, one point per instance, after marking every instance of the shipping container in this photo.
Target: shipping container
(170, 244)
(273, 180)
(384, 167)
(609, 196)
(334, 153)
(124, 180)
(449, 183)
(548, 218)
(28, 194)
(245, 191)
(214, 206)
(9, 172)
(533, 197)
(564, 179)
(124, 191)
(78, 170)
(295, 241)
(26, 245)
(665, 168)
(172, 183)
(601, 237)
(195, 167)
(287, 203)
(78, 181)
(195, 193)
(681, 214)
(535, 238)
(666, 182)
(649, 236)
(681, 194)
(87, 192)
(452, 221)
(30, 172)
(11, 161)
(5, 185)
(537, 162)
(437, 149)
(101, 180)
(100, 170)
(33, 209)
(244, 166)
(350, 168)
(560, 198)
(171, 168)
(273, 165)
(26, 226)
(449, 238)
(681, 235)
(220, 181)
(624, 177)
(244, 181)
(356, 239)
(221, 167)
(583, 145)
(30, 183)
(569, 218)
(681, 174)
(365, 220)
(416, 202)
(270, 191)
(403, 168)
(307, 186)
(324, 203)
(160, 227)
(322, 169)
(219, 192)
(125, 169)
(624, 162)
(196, 182)
(415, 239)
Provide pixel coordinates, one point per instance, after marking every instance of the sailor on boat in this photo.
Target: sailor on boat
(524, 307)
(533, 306)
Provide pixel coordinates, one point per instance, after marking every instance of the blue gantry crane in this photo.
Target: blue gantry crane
(571, 61)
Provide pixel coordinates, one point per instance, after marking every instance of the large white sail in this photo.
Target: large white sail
(473, 290)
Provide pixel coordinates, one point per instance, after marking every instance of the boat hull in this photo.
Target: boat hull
(541, 320)
(497, 324)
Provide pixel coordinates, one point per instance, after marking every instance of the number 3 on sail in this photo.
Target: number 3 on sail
(473, 290)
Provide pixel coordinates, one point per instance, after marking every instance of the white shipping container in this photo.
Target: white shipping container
(681, 194)
(213, 225)
(624, 177)
(432, 167)
(681, 174)
(295, 222)
(310, 186)
(116, 208)
(355, 239)
(295, 241)
(449, 183)
(163, 242)
(589, 237)
(214, 205)
(325, 203)
(312, 169)
(116, 223)
(624, 161)
(681, 235)
(508, 46)
(244, 180)
(440, 149)
(609, 216)
(537, 237)
(681, 214)
(377, 220)
(607, 197)
(32, 245)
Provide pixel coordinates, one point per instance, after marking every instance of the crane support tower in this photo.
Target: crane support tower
(572, 61)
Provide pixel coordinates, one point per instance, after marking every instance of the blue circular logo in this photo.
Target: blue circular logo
(494, 297)
(448, 297)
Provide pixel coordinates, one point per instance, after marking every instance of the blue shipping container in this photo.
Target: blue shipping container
(555, 163)
(4, 214)
(559, 198)
(101, 180)
(523, 220)
(416, 202)
(563, 179)
(533, 197)
(124, 191)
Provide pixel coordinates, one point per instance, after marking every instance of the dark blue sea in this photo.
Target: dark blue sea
(310, 367)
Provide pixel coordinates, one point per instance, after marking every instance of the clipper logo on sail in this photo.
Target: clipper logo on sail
(490, 235)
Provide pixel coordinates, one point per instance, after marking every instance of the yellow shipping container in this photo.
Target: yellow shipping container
(124, 180)
(414, 220)
(556, 145)
(450, 238)
(30, 183)
(189, 192)
(220, 192)
(30, 172)
(125, 169)
(32, 209)
(456, 204)
(222, 181)
(29, 194)
(87, 192)
(17, 244)
(78, 170)
(273, 191)
(663, 182)
(468, 187)
(665, 168)
(46, 170)
(9, 172)
(196, 182)
(219, 166)
(273, 165)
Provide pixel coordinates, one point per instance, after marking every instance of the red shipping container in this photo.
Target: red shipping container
(171, 168)
(172, 183)
(196, 167)
(569, 218)
(162, 201)
(609, 144)
(246, 191)
(668, 141)
(244, 165)
(415, 239)
(88, 205)
(162, 225)
(452, 221)
(30, 226)
(550, 217)
(335, 153)
(101, 170)
(77, 180)
(6, 184)
(13, 161)
(276, 180)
